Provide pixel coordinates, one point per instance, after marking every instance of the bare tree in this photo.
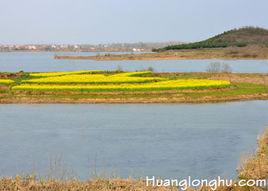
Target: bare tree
(226, 68)
(214, 67)
(119, 68)
(150, 69)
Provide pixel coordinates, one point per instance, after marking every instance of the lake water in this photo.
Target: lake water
(201, 140)
(37, 62)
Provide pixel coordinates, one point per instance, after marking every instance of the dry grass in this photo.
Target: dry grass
(32, 184)
(256, 166)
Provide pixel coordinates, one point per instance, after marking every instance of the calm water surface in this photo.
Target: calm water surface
(36, 62)
(202, 140)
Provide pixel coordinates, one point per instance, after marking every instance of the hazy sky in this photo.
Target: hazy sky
(101, 21)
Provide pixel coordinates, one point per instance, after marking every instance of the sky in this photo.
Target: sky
(113, 21)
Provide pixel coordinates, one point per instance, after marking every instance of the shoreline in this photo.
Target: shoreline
(232, 53)
(150, 58)
(39, 101)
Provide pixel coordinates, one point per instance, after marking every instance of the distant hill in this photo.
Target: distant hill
(237, 37)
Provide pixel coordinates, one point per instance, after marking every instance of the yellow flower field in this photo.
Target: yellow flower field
(100, 81)
(49, 74)
(6, 81)
(93, 78)
(141, 73)
(163, 85)
(90, 77)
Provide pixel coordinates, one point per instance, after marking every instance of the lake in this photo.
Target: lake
(44, 61)
(164, 140)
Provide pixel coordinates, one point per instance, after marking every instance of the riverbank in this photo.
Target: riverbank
(119, 88)
(31, 183)
(243, 53)
(255, 167)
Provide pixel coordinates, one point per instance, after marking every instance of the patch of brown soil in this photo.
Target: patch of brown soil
(11, 75)
(245, 79)
(4, 87)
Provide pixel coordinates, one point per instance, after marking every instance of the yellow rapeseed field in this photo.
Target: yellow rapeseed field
(163, 85)
(125, 81)
(6, 81)
(93, 78)
(49, 74)
(141, 73)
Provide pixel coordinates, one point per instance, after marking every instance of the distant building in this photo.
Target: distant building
(136, 50)
(31, 47)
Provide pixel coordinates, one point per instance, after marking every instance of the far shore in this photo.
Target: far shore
(245, 53)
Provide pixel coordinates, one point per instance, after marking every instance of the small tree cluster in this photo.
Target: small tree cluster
(217, 67)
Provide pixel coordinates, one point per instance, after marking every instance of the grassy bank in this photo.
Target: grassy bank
(131, 87)
(254, 167)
